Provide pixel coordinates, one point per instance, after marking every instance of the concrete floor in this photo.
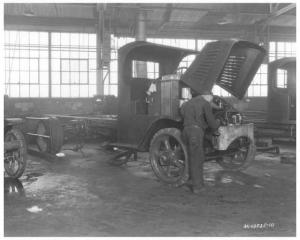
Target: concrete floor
(84, 196)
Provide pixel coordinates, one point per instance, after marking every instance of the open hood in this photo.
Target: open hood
(230, 64)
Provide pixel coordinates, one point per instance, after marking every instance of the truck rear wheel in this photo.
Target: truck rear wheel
(241, 153)
(52, 128)
(169, 157)
(15, 160)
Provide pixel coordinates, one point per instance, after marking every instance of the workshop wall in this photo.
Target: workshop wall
(23, 107)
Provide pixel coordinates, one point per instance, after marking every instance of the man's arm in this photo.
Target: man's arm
(211, 121)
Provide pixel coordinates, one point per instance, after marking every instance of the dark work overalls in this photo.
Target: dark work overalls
(197, 115)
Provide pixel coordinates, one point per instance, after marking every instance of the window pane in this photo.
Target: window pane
(14, 37)
(92, 64)
(74, 65)
(84, 39)
(44, 90)
(24, 38)
(74, 90)
(34, 77)
(83, 77)
(14, 77)
(83, 65)
(113, 78)
(114, 90)
(65, 77)
(43, 64)
(34, 38)
(34, 53)
(74, 77)
(34, 65)
(256, 90)
(106, 89)
(92, 40)
(34, 90)
(24, 64)
(92, 90)
(14, 90)
(250, 91)
(24, 91)
(92, 78)
(65, 39)
(65, 65)
(64, 53)
(44, 77)
(55, 77)
(74, 39)
(55, 38)
(55, 90)
(55, 54)
(26, 59)
(272, 46)
(74, 54)
(43, 38)
(55, 65)
(84, 90)
(264, 91)
(65, 90)
(43, 53)
(15, 64)
(24, 77)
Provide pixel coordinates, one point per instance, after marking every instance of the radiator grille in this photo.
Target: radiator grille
(207, 62)
(231, 71)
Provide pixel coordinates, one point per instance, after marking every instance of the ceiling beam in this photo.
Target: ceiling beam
(278, 12)
(48, 21)
(166, 16)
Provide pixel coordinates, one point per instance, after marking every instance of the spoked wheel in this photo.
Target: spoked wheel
(52, 136)
(13, 188)
(42, 142)
(15, 160)
(169, 157)
(241, 152)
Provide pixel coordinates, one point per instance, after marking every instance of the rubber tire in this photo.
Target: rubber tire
(249, 159)
(176, 133)
(23, 152)
(14, 184)
(55, 130)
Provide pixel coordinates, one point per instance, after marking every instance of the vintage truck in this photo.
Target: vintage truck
(148, 112)
(152, 85)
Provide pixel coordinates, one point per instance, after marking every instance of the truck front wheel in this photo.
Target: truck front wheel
(169, 157)
(240, 154)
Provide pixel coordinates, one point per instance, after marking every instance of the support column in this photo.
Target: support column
(99, 47)
(141, 68)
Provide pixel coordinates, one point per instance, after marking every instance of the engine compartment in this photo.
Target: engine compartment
(225, 112)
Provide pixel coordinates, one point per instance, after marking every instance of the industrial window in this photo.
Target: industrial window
(259, 85)
(73, 64)
(281, 78)
(110, 76)
(26, 64)
(279, 50)
(220, 91)
(151, 69)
